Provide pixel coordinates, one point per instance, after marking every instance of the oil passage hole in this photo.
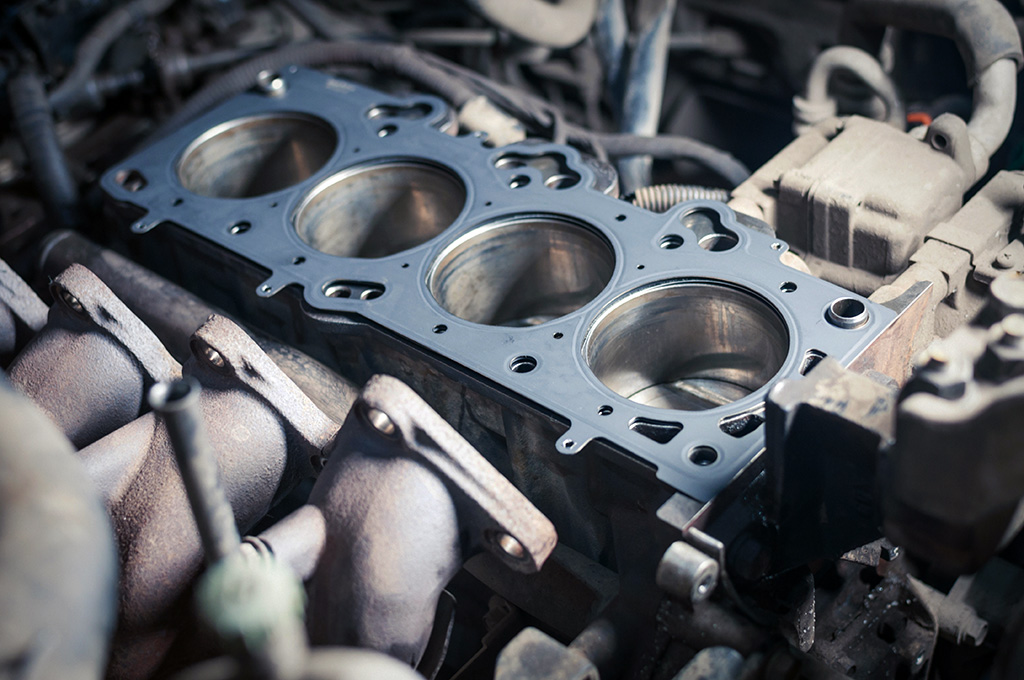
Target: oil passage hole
(257, 155)
(787, 287)
(131, 180)
(522, 271)
(705, 344)
(671, 241)
(848, 313)
(710, 232)
(378, 210)
(523, 364)
(703, 455)
(337, 290)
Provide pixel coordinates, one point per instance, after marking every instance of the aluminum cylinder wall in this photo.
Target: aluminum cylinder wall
(658, 333)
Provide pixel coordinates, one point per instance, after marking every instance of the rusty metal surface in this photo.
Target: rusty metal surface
(406, 500)
(58, 565)
(22, 313)
(265, 433)
(173, 314)
(90, 366)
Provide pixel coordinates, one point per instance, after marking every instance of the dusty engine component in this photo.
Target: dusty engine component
(835, 193)
(542, 302)
(91, 345)
(604, 339)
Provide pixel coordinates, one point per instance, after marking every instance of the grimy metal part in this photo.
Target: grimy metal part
(523, 275)
(406, 501)
(89, 367)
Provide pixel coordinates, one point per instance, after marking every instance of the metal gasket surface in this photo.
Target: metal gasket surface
(660, 334)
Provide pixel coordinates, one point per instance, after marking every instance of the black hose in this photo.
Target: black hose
(33, 120)
(398, 59)
(92, 48)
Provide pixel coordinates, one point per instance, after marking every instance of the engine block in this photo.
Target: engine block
(658, 335)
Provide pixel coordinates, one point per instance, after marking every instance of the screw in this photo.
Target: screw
(1003, 261)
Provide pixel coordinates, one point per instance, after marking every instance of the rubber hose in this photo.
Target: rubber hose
(95, 45)
(661, 198)
(983, 30)
(399, 59)
(551, 24)
(988, 41)
(33, 120)
(861, 64)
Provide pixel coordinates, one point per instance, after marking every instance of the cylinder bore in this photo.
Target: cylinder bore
(257, 155)
(381, 209)
(522, 271)
(690, 345)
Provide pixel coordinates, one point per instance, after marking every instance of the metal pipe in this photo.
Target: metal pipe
(178, 403)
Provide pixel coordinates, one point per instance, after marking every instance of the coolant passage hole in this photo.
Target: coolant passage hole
(378, 210)
(522, 271)
(687, 345)
(258, 155)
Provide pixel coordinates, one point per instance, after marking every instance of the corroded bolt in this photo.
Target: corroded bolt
(73, 303)
(214, 358)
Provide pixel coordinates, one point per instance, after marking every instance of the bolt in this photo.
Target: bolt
(381, 422)
(73, 303)
(511, 546)
(271, 84)
(214, 358)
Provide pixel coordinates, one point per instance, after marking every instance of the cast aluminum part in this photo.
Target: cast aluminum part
(546, 302)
